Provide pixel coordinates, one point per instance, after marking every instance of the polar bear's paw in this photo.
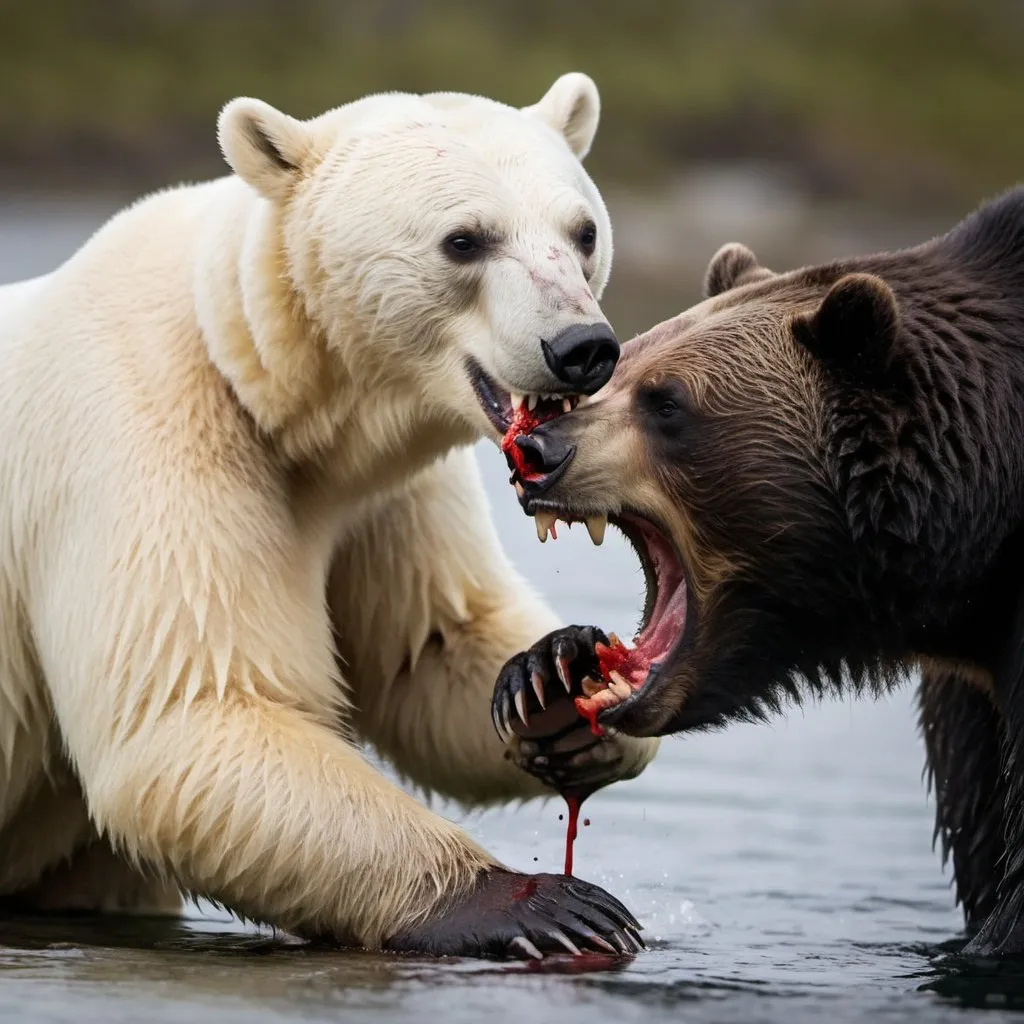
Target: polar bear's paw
(507, 915)
(537, 701)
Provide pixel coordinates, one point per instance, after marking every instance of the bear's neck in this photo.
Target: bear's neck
(317, 404)
(941, 511)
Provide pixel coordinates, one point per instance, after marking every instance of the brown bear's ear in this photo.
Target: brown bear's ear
(854, 328)
(733, 265)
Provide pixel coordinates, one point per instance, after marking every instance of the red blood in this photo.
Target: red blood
(611, 659)
(573, 803)
(522, 423)
(528, 889)
(589, 710)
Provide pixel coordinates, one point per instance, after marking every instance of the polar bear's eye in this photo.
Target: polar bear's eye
(463, 246)
(586, 237)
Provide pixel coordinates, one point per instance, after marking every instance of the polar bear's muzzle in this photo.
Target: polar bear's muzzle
(581, 357)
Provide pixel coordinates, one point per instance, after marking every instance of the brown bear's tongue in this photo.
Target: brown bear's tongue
(623, 669)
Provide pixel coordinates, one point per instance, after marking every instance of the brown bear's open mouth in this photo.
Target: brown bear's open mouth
(631, 674)
(626, 671)
(512, 414)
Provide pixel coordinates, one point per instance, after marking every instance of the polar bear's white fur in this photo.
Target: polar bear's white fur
(235, 393)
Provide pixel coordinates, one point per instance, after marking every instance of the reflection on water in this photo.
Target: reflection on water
(784, 873)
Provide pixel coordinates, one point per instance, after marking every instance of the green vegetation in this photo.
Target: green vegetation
(910, 100)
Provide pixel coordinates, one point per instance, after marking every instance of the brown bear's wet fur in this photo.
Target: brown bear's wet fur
(841, 467)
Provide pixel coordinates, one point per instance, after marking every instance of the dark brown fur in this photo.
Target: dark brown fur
(838, 454)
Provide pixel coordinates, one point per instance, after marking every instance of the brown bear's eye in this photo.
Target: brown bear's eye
(463, 246)
(586, 238)
(667, 405)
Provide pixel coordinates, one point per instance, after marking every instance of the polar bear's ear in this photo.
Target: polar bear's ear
(572, 107)
(264, 147)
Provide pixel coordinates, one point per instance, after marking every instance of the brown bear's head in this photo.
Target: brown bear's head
(800, 462)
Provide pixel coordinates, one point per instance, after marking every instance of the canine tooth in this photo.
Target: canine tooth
(545, 521)
(613, 640)
(517, 400)
(590, 687)
(596, 525)
(619, 686)
(531, 402)
(521, 706)
(520, 491)
(566, 405)
(538, 688)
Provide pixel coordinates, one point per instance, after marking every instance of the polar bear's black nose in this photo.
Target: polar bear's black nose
(583, 356)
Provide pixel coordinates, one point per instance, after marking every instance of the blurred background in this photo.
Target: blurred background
(808, 129)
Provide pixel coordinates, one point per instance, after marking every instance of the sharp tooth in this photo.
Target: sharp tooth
(619, 686)
(596, 525)
(545, 521)
(519, 489)
(517, 400)
(613, 640)
(531, 402)
(590, 688)
(566, 405)
(521, 706)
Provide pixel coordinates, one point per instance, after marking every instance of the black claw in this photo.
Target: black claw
(531, 686)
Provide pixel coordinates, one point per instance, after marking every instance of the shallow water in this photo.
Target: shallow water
(784, 872)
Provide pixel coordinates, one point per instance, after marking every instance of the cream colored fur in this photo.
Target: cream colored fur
(233, 395)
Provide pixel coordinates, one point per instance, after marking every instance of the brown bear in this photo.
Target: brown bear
(822, 473)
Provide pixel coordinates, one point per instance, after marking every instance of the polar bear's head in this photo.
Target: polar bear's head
(444, 244)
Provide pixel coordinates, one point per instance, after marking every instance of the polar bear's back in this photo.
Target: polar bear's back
(103, 371)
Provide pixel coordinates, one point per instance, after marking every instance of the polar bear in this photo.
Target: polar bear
(241, 532)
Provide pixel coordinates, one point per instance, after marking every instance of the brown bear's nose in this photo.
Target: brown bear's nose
(547, 456)
(583, 356)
